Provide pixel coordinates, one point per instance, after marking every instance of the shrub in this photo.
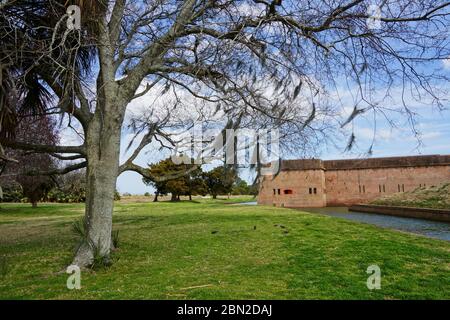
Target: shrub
(79, 228)
(99, 260)
(13, 193)
(115, 238)
(67, 196)
(80, 231)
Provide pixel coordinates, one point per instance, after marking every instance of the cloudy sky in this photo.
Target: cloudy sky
(435, 139)
(369, 129)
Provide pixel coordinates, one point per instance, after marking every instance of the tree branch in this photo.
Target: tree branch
(66, 158)
(146, 173)
(116, 18)
(156, 51)
(61, 171)
(41, 148)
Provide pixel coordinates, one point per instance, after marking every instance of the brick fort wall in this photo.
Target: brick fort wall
(317, 183)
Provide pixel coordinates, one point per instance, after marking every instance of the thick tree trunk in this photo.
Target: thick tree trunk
(214, 196)
(34, 204)
(102, 148)
(173, 197)
(156, 197)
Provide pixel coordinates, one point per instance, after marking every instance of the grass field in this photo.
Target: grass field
(213, 250)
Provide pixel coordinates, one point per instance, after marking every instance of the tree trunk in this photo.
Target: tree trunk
(34, 204)
(174, 197)
(102, 150)
(214, 196)
(156, 197)
(190, 197)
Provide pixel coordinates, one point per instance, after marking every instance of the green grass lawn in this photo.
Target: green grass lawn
(213, 250)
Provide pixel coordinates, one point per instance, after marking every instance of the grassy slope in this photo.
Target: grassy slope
(437, 197)
(167, 248)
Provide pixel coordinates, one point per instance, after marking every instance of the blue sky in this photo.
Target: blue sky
(433, 125)
(435, 139)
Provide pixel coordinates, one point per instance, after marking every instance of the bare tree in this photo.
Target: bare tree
(230, 53)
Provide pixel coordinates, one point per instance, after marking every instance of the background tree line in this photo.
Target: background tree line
(190, 180)
(20, 185)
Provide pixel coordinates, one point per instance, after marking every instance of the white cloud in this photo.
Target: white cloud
(446, 63)
(70, 136)
(431, 135)
(381, 134)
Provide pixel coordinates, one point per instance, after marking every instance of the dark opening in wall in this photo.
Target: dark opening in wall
(384, 188)
(398, 188)
(315, 190)
(364, 189)
(279, 191)
(379, 187)
(359, 188)
(403, 187)
(310, 190)
(274, 191)
(288, 191)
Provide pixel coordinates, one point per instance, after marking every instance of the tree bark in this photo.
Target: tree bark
(174, 197)
(156, 197)
(34, 204)
(102, 151)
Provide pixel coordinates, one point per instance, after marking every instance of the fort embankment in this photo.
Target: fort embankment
(420, 213)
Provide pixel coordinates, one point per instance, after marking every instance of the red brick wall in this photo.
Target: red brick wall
(348, 186)
(299, 182)
(343, 186)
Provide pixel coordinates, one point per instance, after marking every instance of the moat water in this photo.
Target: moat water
(432, 229)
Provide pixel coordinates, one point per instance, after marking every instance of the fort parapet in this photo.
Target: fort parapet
(320, 183)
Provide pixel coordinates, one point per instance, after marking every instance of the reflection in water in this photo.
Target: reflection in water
(434, 229)
(251, 203)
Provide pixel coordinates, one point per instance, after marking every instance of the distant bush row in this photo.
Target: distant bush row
(68, 189)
